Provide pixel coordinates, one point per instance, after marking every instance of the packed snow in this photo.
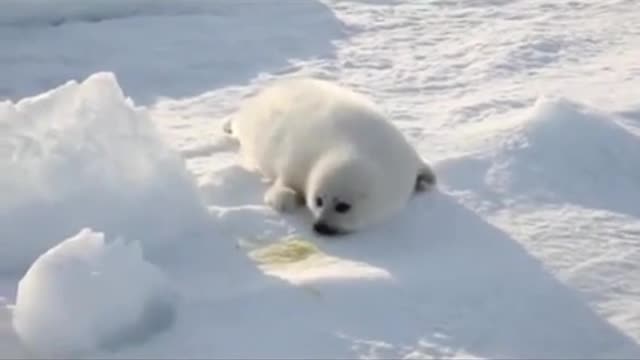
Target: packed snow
(82, 155)
(65, 304)
(529, 248)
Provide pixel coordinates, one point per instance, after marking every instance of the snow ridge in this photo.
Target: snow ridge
(82, 155)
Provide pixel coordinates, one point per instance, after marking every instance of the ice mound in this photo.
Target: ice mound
(90, 293)
(560, 142)
(82, 155)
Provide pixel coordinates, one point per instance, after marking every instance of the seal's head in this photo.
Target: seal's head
(341, 194)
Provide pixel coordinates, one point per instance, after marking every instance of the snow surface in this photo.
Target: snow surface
(65, 305)
(194, 45)
(529, 111)
(82, 155)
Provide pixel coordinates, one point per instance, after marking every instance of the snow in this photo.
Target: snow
(545, 149)
(48, 13)
(528, 109)
(82, 155)
(89, 292)
(49, 42)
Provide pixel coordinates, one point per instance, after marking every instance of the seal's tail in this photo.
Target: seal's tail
(226, 126)
(426, 179)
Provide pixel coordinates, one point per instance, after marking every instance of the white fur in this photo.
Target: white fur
(312, 139)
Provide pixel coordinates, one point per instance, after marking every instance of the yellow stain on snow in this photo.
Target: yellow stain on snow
(301, 262)
(283, 252)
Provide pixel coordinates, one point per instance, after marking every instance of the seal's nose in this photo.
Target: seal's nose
(324, 229)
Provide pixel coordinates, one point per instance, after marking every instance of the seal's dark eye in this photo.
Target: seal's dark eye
(342, 207)
(319, 202)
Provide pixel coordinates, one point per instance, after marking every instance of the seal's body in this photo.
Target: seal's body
(330, 147)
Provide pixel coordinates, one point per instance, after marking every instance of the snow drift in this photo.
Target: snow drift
(89, 293)
(565, 152)
(558, 152)
(81, 156)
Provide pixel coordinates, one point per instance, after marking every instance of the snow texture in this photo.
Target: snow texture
(529, 111)
(89, 292)
(29, 13)
(548, 149)
(217, 42)
(81, 155)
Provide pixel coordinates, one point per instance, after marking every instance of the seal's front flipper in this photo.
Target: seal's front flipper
(426, 179)
(282, 198)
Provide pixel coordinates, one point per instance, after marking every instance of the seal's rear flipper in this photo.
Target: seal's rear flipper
(426, 179)
(226, 126)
